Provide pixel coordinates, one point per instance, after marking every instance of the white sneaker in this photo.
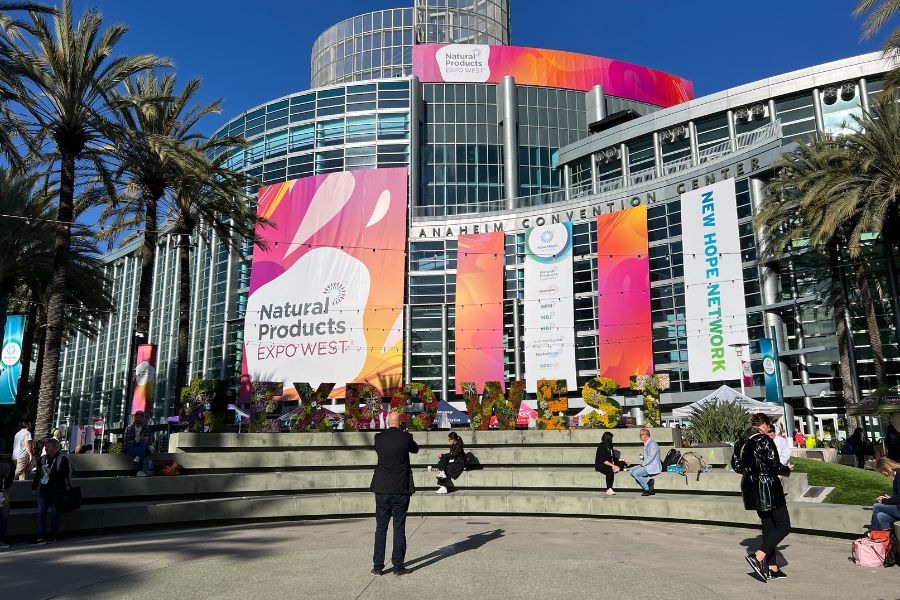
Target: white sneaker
(610, 492)
(441, 475)
(429, 468)
(441, 490)
(142, 473)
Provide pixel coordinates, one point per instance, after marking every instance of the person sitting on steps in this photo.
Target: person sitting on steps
(650, 463)
(450, 465)
(607, 461)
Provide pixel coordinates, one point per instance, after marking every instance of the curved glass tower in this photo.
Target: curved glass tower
(378, 45)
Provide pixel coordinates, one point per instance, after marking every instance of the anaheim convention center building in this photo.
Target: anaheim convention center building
(449, 209)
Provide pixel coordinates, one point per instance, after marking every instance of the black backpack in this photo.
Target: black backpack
(672, 458)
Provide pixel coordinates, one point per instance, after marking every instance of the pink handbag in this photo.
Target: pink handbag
(869, 553)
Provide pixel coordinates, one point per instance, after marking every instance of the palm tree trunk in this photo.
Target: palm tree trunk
(56, 295)
(27, 349)
(148, 256)
(860, 272)
(184, 311)
(839, 308)
(31, 404)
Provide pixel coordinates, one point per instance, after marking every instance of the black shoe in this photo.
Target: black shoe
(647, 493)
(756, 566)
(779, 574)
(51, 540)
(39, 542)
(376, 571)
(401, 571)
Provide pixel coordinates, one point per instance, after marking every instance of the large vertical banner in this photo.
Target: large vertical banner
(624, 345)
(715, 309)
(770, 369)
(479, 309)
(11, 358)
(144, 378)
(549, 306)
(326, 295)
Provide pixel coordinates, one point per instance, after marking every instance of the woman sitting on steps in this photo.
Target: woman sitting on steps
(450, 465)
(607, 461)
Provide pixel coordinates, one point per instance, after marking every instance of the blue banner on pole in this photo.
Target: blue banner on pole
(770, 368)
(11, 358)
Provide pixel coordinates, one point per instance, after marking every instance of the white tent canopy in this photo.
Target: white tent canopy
(726, 394)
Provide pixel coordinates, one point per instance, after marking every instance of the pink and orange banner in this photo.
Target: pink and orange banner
(326, 294)
(479, 309)
(625, 345)
(144, 378)
(474, 63)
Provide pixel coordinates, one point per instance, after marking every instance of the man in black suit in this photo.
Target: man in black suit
(392, 484)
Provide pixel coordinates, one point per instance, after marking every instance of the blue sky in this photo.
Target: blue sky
(248, 52)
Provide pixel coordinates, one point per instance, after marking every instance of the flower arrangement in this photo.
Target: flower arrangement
(651, 386)
(422, 393)
(549, 392)
(361, 405)
(507, 408)
(194, 399)
(596, 395)
(263, 401)
(312, 407)
(479, 414)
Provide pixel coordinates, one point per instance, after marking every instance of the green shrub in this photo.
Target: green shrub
(718, 422)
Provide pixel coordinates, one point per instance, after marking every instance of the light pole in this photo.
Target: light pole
(739, 350)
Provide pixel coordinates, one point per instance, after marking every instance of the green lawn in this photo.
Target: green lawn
(851, 485)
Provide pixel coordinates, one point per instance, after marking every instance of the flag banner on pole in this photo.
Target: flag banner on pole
(144, 378)
(11, 358)
(767, 349)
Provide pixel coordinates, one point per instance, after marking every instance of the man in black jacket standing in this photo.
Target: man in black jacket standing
(393, 485)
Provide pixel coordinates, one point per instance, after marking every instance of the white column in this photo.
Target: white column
(172, 390)
(195, 299)
(227, 313)
(211, 284)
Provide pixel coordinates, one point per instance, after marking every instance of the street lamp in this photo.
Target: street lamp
(739, 350)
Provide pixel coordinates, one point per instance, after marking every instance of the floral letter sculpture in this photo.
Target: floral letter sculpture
(361, 405)
(313, 414)
(551, 397)
(264, 400)
(596, 395)
(651, 386)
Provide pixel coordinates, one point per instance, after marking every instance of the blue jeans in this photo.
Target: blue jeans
(883, 516)
(386, 507)
(641, 475)
(140, 451)
(45, 501)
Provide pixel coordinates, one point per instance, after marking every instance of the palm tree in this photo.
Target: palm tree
(217, 199)
(159, 127)
(784, 226)
(26, 231)
(69, 72)
(11, 31)
(878, 13)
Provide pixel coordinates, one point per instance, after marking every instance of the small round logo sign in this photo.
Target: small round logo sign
(769, 365)
(12, 352)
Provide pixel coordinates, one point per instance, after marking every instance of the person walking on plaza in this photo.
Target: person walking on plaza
(607, 461)
(856, 446)
(7, 476)
(392, 484)
(756, 457)
(650, 463)
(22, 451)
(56, 435)
(50, 484)
(450, 464)
(886, 509)
(137, 443)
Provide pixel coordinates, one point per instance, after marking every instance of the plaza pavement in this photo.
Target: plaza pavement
(451, 557)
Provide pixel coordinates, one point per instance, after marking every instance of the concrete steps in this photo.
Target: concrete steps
(822, 519)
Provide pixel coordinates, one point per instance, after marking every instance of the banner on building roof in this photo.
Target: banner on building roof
(715, 308)
(624, 345)
(549, 310)
(479, 309)
(477, 63)
(326, 294)
(11, 358)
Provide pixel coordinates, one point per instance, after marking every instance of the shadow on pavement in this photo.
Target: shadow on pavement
(755, 543)
(472, 542)
(73, 564)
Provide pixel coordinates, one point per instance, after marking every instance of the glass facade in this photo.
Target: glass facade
(462, 22)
